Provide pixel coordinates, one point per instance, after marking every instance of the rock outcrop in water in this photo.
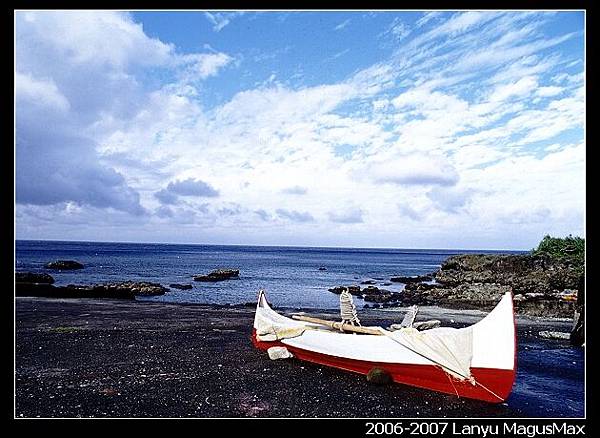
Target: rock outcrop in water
(124, 290)
(64, 265)
(538, 284)
(354, 290)
(33, 277)
(218, 275)
(412, 279)
(180, 286)
(370, 293)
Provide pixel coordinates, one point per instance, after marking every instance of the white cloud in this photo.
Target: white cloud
(295, 216)
(204, 65)
(410, 212)
(295, 190)
(449, 199)
(462, 22)
(520, 88)
(548, 91)
(110, 39)
(220, 20)
(40, 92)
(432, 134)
(346, 216)
(343, 24)
(426, 18)
(416, 169)
(398, 29)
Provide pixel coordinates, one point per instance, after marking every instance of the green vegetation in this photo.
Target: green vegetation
(570, 249)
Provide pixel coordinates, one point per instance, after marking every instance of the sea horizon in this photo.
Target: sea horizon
(390, 248)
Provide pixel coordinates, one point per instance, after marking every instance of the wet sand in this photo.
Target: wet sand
(111, 358)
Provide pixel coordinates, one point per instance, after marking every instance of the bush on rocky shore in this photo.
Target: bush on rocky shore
(568, 249)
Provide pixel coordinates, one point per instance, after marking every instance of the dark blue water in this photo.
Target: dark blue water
(290, 275)
(550, 378)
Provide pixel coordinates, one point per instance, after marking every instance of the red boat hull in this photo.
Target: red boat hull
(494, 384)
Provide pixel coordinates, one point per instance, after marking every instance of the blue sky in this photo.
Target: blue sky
(456, 129)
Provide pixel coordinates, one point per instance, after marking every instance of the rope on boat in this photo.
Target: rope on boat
(348, 309)
(453, 386)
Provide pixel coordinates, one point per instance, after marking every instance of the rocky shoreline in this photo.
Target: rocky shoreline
(34, 284)
(120, 290)
(541, 286)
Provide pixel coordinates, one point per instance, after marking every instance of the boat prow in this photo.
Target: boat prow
(478, 361)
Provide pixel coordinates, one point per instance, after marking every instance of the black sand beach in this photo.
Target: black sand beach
(110, 358)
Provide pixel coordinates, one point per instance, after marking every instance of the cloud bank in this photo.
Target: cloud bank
(472, 121)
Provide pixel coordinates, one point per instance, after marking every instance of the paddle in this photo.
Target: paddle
(339, 326)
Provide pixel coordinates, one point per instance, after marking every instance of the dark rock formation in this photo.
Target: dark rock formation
(380, 296)
(322, 268)
(180, 286)
(218, 275)
(24, 289)
(354, 290)
(64, 265)
(524, 273)
(476, 295)
(33, 277)
(479, 281)
(578, 333)
(125, 290)
(372, 290)
(412, 279)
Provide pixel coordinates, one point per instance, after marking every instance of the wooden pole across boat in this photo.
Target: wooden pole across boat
(339, 326)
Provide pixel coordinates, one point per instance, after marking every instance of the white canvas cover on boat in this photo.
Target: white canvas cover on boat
(448, 347)
(269, 328)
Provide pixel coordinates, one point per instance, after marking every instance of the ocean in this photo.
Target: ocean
(290, 275)
(550, 376)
